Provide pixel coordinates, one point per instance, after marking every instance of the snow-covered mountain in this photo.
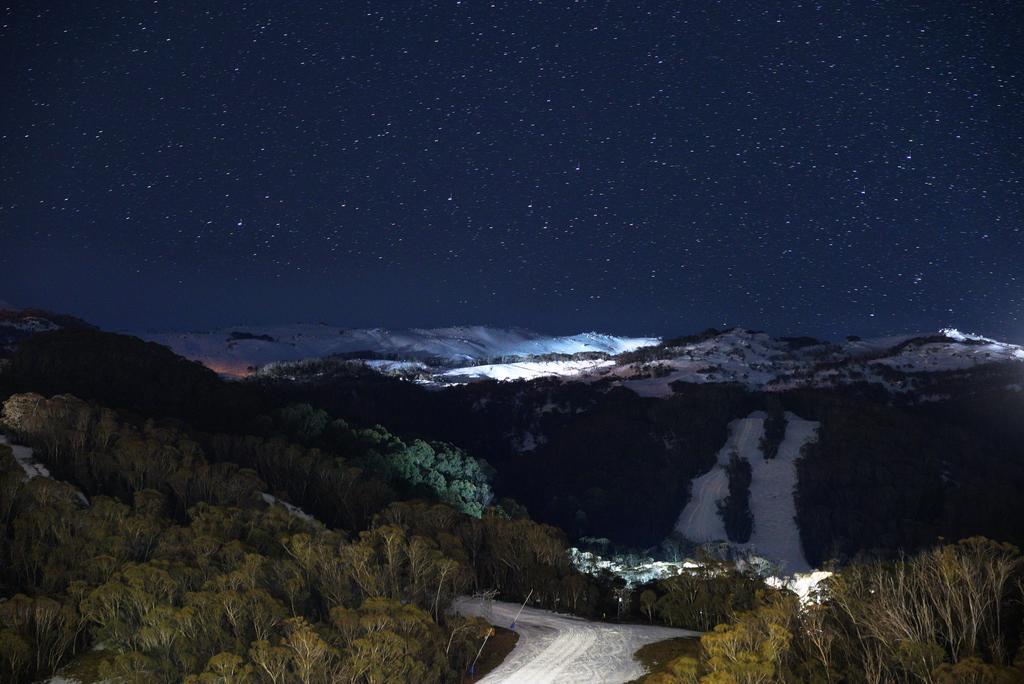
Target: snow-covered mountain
(649, 366)
(760, 361)
(235, 351)
(19, 324)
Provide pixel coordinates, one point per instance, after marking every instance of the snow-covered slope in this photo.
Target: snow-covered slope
(235, 350)
(763, 362)
(775, 535)
(528, 370)
(648, 366)
(700, 521)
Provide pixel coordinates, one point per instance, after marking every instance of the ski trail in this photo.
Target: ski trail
(776, 535)
(699, 521)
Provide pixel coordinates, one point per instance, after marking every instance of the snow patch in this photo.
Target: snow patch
(23, 455)
(294, 510)
(32, 467)
(955, 334)
(803, 584)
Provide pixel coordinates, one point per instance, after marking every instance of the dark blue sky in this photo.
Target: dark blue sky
(644, 167)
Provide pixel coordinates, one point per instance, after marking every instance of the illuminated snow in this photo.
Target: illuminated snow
(226, 351)
(775, 535)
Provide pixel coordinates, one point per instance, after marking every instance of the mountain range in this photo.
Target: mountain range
(648, 366)
(862, 445)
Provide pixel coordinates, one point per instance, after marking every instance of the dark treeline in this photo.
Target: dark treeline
(735, 509)
(124, 372)
(883, 478)
(590, 459)
(774, 431)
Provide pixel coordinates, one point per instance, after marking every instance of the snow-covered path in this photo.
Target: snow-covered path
(561, 648)
(699, 520)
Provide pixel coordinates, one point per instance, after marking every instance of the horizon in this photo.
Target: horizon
(722, 327)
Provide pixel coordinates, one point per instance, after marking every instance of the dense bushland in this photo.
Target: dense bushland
(950, 615)
(880, 479)
(178, 565)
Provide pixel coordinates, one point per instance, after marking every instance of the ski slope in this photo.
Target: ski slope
(775, 535)
(699, 521)
(564, 649)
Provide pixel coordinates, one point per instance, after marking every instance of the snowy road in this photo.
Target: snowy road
(560, 648)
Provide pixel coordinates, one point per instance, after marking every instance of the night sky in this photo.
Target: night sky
(633, 167)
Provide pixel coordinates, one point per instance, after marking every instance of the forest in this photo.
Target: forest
(948, 615)
(178, 563)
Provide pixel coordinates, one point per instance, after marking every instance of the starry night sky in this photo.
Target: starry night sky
(635, 167)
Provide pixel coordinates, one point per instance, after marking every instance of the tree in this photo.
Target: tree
(224, 668)
(272, 662)
(311, 657)
(754, 649)
(648, 601)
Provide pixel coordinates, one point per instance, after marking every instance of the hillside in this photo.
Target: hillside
(239, 350)
(928, 366)
(17, 325)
